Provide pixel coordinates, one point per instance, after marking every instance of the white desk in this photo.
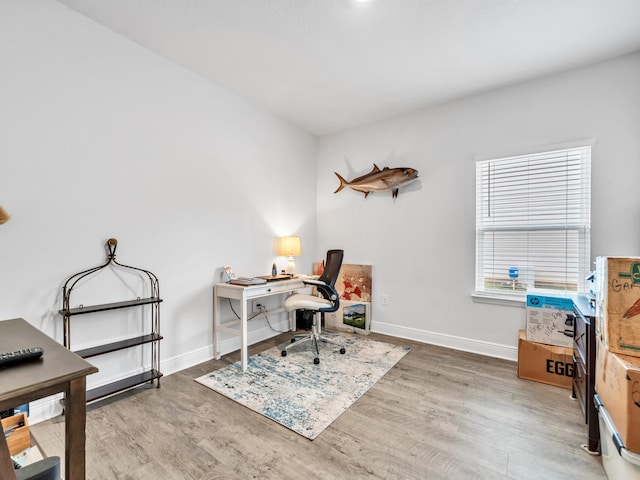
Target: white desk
(246, 295)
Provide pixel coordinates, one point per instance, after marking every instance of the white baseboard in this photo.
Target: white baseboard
(488, 349)
(50, 407)
(186, 360)
(45, 408)
(232, 344)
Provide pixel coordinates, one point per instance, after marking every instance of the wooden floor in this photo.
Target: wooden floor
(438, 414)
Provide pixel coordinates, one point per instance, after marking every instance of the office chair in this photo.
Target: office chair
(317, 305)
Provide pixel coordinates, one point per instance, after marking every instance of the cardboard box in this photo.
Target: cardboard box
(19, 438)
(617, 461)
(618, 304)
(543, 363)
(550, 318)
(618, 386)
(15, 410)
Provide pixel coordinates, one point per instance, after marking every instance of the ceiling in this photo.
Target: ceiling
(331, 65)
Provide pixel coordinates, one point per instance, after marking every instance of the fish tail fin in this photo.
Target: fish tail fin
(343, 182)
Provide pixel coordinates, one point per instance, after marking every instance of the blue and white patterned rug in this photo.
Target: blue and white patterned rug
(302, 396)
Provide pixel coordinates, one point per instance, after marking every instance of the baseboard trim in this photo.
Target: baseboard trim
(232, 344)
(49, 407)
(45, 408)
(488, 349)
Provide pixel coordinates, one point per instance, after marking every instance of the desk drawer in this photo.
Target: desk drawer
(579, 352)
(273, 288)
(580, 380)
(580, 334)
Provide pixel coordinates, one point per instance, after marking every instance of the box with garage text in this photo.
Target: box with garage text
(543, 363)
(618, 304)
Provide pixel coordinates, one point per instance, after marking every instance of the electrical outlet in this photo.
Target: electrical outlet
(255, 306)
(385, 300)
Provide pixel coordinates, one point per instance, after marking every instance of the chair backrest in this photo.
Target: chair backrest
(329, 276)
(332, 267)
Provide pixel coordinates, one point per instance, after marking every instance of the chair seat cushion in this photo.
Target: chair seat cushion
(301, 301)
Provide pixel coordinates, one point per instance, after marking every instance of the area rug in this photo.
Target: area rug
(302, 396)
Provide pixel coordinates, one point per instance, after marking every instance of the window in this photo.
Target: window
(533, 222)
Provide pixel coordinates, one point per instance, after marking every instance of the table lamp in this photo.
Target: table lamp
(289, 247)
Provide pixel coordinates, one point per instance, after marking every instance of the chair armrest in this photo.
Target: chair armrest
(326, 290)
(312, 281)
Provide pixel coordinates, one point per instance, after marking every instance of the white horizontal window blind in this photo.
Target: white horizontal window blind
(533, 218)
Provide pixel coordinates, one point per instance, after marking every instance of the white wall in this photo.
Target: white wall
(101, 138)
(422, 245)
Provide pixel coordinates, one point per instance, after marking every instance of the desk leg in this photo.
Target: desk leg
(216, 325)
(292, 320)
(75, 425)
(243, 333)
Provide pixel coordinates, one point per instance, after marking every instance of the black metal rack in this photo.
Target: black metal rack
(153, 337)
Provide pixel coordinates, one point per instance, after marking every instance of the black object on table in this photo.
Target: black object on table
(20, 356)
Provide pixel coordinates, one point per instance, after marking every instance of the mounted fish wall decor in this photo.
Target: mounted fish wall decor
(380, 180)
(4, 216)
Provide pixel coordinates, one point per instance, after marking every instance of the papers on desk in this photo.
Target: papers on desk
(276, 278)
(247, 281)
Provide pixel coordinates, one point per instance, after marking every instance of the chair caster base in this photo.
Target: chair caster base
(315, 338)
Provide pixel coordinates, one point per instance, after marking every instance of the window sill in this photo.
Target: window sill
(496, 299)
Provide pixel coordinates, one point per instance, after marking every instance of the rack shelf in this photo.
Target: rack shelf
(124, 384)
(109, 306)
(152, 336)
(115, 346)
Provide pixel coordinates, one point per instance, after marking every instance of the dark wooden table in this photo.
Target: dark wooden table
(58, 370)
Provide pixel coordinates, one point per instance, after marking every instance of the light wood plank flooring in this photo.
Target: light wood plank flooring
(439, 414)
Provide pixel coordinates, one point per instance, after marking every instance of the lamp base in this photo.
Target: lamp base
(291, 267)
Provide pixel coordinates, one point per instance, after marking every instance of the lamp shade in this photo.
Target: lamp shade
(289, 246)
